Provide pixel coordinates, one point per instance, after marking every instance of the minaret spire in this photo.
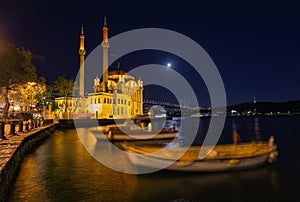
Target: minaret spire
(81, 53)
(105, 46)
(105, 23)
(105, 31)
(82, 32)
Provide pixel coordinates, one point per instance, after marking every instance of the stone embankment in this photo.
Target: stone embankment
(14, 145)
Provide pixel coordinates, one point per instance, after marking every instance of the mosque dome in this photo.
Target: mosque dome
(118, 73)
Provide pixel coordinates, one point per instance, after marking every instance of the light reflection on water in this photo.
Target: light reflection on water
(61, 169)
(211, 186)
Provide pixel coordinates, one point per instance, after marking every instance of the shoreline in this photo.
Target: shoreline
(12, 151)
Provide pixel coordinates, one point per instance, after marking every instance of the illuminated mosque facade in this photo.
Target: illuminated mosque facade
(117, 95)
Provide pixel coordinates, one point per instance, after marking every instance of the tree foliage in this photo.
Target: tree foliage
(15, 65)
(62, 87)
(15, 68)
(44, 97)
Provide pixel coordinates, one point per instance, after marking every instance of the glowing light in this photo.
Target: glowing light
(169, 65)
(31, 83)
(17, 107)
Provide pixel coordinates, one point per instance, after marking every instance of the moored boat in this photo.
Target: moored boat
(126, 134)
(142, 136)
(131, 130)
(226, 157)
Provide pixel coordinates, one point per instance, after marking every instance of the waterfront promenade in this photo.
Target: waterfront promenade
(13, 149)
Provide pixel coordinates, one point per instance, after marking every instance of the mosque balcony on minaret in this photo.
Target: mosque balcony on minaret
(81, 52)
(105, 44)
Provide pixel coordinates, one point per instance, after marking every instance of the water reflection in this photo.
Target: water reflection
(61, 169)
(229, 186)
(257, 132)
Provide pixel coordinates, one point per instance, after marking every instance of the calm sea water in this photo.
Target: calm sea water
(60, 169)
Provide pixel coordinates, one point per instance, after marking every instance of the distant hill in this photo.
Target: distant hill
(267, 107)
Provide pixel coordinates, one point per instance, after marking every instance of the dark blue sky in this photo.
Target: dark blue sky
(255, 46)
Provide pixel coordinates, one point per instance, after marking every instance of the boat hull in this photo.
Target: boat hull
(222, 157)
(200, 166)
(137, 136)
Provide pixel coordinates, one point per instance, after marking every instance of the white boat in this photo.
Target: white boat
(142, 136)
(117, 134)
(133, 132)
(226, 157)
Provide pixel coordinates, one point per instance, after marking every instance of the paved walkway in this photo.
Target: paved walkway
(9, 145)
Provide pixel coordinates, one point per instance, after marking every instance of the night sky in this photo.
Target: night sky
(255, 46)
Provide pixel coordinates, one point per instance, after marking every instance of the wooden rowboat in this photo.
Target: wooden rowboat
(226, 157)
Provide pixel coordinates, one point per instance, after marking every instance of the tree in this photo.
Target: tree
(32, 93)
(15, 68)
(62, 87)
(43, 96)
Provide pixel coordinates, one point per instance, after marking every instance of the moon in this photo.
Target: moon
(169, 65)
